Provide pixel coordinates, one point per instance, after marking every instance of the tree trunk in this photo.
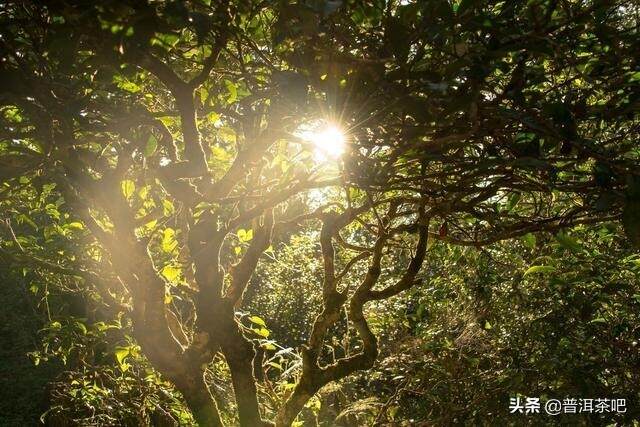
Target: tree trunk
(202, 404)
(294, 404)
(239, 354)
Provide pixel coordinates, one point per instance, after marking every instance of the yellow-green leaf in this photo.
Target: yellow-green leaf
(121, 353)
(151, 146)
(167, 207)
(171, 273)
(233, 92)
(169, 243)
(263, 332)
(539, 269)
(257, 320)
(128, 188)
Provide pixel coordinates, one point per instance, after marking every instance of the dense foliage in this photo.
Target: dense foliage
(323, 212)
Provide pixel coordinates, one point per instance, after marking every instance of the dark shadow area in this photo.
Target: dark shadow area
(23, 386)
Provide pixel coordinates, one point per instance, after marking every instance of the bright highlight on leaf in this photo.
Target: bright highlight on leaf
(258, 321)
(121, 353)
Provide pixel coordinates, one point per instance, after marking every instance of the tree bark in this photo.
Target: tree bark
(293, 406)
(201, 403)
(239, 354)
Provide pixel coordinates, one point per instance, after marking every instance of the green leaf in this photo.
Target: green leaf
(529, 240)
(151, 146)
(23, 218)
(171, 273)
(121, 353)
(129, 86)
(143, 192)
(36, 358)
(151, 224)
(203, 95)
(166, 39)
(213, 117)
(116, 28)
(13, 114)
(169, 242)
(268, 346)
(245, 235)
(76, 225)
(167, 207)
(263, 332)
(81, 327)
(55, 325)
(128, 188)
(233, 92)
(276, 365)
(513, 201)
(568, 242)
(539, 269)
(257, 320)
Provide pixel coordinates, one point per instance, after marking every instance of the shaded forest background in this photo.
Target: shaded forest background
(453, 352)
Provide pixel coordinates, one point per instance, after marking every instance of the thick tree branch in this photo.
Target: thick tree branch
(242, 271)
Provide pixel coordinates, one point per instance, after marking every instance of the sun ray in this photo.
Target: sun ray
(327, 140)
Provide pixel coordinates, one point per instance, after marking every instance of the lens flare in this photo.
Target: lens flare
(329, 141)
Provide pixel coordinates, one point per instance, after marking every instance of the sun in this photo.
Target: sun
(328, 140)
